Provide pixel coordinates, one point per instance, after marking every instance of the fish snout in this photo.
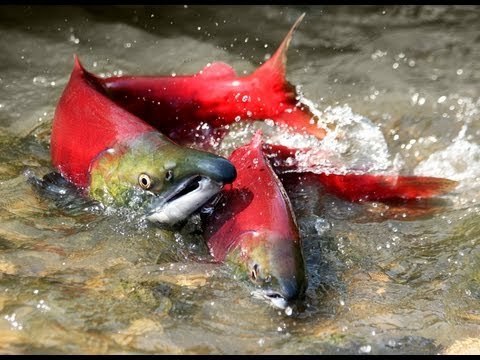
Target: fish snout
(292, 289)
(288, 292)
(275, 264)
(217, 168)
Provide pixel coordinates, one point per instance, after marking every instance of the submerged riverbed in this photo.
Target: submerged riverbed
(402, 83)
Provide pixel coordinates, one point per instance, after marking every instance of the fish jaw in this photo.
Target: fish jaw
(169, 209)
(274, 263)
(168, 182)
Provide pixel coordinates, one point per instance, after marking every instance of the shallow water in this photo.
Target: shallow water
(401, 82)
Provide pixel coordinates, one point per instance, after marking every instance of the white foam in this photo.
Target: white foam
(459, 161)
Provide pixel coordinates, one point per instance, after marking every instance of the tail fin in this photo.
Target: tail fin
(370, 187)
(356, 187)
(277, 64)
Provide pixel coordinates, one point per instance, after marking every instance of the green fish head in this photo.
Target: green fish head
(151, 172)
(274, 263)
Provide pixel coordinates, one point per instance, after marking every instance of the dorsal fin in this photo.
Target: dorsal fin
(94, 80)
(218, 69)
(277, 64)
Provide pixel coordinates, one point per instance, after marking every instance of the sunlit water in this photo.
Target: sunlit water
(400, 82)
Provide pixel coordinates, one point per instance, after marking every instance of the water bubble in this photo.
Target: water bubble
(395, 65)
(40, 80)
(261, 341)
(13, 322)
(42, 306)
(321, 226)
(378, 54)
(288, 311)
(127, 45)
(391, 343)
(73, 39)
(415, 98)
(441, 99)
(365, 349)
(459, 71)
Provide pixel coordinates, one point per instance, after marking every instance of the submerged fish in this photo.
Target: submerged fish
(254, 227)
(117, 158)
(215, 96)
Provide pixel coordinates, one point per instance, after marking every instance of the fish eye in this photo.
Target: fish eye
(144, 181)
(254, 272)
(169, 175)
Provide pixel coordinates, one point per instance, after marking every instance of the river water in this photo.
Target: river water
(383, 278)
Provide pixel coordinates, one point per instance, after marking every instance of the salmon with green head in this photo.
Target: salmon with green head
(118, 159)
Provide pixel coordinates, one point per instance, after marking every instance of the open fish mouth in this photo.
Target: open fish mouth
(185, 197)
(276, 299)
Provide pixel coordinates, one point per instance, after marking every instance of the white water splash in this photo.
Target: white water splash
(459, 161)
(354, 144)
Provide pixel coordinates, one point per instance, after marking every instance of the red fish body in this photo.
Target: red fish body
(215, 96)
(254, 225)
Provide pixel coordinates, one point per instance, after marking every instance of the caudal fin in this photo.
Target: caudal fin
(356, 187)
(369, 187)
